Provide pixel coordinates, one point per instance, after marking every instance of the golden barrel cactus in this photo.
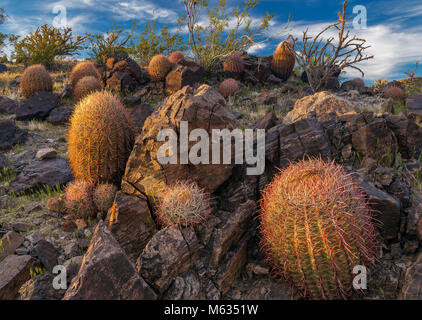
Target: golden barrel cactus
(81, 70)
(229, 87)
(159, 67)
(100, 139)
(35, 79)
(284, 59)
(86, 86)
(317, 226)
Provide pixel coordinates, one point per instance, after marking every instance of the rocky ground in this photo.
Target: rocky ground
(376, 139)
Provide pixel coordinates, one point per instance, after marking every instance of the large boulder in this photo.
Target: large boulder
(319, 104)
(8, 244)
(7, 106)
(60, 115)
(40, 288)
(188, 74)
(38, 106)
(11, 134)
(131, 223)
(203, 108)
(107, 273)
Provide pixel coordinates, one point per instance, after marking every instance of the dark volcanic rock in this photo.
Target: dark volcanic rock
(188, 74)
(131, 224)
(8, 244)
(412, 288)
(40, 288)
(14, 272)
(60, 115)
(48, 172)
(4, 163)
(38, 106)
(170, 253)
(139, 114)
(3, 68)
(47, 254)
(7, 106)
(11, 134)
(414, 106)
(122, 81)
(269, 121)
(107, 273)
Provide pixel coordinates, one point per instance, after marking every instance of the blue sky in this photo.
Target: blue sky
(394, 28)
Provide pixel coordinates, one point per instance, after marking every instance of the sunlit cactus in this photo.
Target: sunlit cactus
(284, 59)
(81, 70)
(316, 227)
(234, 64)
(229, 87)
(35, 79)
(104, 196)
(85, 86)
(79, 199)
(176, 57)
(100, 138)
(183, 204)
(159, 67)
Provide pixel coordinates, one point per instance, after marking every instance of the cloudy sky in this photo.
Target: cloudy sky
(393, 28)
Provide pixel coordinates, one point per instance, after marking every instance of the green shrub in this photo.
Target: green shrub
(46, 44)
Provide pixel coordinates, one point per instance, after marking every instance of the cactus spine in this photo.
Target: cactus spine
(35, 79)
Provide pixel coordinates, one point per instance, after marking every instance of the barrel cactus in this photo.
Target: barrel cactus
(176, 57)
(316, 227)
(234, 64)
(159, 67)
(229, 87)
(81, 70)
(358, 82)
(284, 59)
(79, 199)
(395, 93)
(35, 79)
(104, 196)
(183, 204)
(100, 138)
(86, 86)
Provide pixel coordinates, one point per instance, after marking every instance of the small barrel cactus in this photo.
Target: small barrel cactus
(104, 196)
(229, 87)
(79, 199)
(234, 64)
(81, 70)
(86, 86)
(358, 82)
(176, 57)
(100, 138)
(158, 68)
(316, 227)
(395, 93)
(183, 204)
(35, 79)
(284, 59)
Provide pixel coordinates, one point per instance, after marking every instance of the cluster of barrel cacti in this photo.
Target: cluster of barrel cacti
(34, 79)
(316, 227)
(85, 79)
(85, 86)
(284, 59)
(184, 204)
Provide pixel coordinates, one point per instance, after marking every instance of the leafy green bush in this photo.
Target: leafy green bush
(149, 43)
(112, 44)
(212, 42)
(46, 44)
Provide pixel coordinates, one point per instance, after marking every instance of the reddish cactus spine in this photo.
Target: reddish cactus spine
(35, 79)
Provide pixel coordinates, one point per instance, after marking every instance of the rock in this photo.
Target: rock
(384, 275)
(272, 79)
(4, 163)
(80, 224)
(412, 288)
(414, 215)
(40, 288)
(69, 226)
(188, 73)
(10, 134)
(184, 287)
(48, 172)
(264, 289)
(139, 114)
(7, 106)
(170, 252)
(401, 191)
(22, 227)
(122, 81)
(60, 115)
(202, 108)
(141, 75)
(414, 106)
(3, 68)
(45, 153)
(56, 204)
(47, 254)
(269, 121)
(320, 103)
(71, 249)
(67, 92)
(266, 98)
(408, 134)
(387, 210)
(72, 266)
(8, 244)
(34, 237)
(258, 69)
(107, 273)
(131, 224)
(38, 106)
(14, 272)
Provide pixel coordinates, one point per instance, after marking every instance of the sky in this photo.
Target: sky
(393, 28)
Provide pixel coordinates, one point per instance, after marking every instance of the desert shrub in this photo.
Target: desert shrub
(183, 204)
(112, 44)
(229, 87)
(46, 44)
(100, 138)
(149, 43)
(214, 41)
(283, 61)
(159, 67)
(81, 70)
(104, 196)
(86, 86)
(79, 199)
(316, 226)
(35, 79)
(395, 93)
